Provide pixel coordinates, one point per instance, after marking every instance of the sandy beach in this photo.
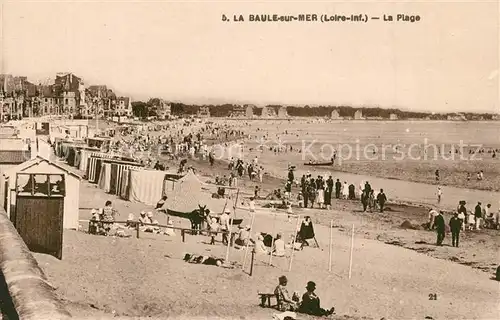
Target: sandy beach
(146, 276)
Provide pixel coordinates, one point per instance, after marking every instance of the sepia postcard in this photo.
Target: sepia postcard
(249, 159)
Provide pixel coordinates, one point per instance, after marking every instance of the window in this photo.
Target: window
(40, 185)
(56, 185)
(24, 185)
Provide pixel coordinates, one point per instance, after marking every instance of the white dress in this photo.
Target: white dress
(345, 190)
(321, 196)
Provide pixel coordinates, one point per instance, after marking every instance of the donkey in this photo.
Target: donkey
(197, 218)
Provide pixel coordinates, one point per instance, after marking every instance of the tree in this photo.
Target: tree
(139, 109)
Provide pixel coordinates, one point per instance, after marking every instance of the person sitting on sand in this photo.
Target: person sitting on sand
(130, 221)
(310, 303)
(286, 302)
(156, 228)
(93, 223)
(300, 199)
(243, 236)
(142, 218)
(279, 246)
(260, 247)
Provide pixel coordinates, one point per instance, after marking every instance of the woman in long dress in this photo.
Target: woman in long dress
(345, 190)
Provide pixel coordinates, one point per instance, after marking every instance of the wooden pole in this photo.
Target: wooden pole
(229, 238)
(251, 262)
(183, 235)
(272, 241)
(137, 229)
(236, 202)
(248, 242)
(352, 246)
(330, 247)
(293, 243)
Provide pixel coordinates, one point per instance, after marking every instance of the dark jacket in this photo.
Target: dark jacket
(439, 222)
(478, 213)
(462, 209)
(455, 224)
(338, 186)
(381, 198)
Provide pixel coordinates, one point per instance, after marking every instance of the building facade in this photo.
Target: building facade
(203, 112)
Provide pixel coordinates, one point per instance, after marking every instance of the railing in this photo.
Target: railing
(137, 225)
(32, 296)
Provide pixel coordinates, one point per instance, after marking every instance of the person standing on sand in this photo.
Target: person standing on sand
(345, 191)
(462, 214)
(455, 226)
(305, 192)
(364, 200)
(381, 200)
(432, 215)
(338, 186)
(478, 213)
(371, 201)
(440, 228)
(439, 194)
(312, 192)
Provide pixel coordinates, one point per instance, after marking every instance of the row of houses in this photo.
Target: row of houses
(247, 111)
(358, 115)
(66, 95)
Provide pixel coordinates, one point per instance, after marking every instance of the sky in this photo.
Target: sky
(446, 62)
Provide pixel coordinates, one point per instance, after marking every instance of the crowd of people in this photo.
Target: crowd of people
(463, 220)
(103, 222)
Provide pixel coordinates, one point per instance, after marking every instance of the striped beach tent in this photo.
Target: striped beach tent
(124, 184)
(105, 177)
(118, 171)
(146, 186)
(94, 166)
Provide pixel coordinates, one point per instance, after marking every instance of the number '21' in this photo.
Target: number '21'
(433, 296)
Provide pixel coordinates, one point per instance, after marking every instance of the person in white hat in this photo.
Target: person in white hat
(224, 225)
(130, 221)
(243, 236)
(93, 224)
(213, 226)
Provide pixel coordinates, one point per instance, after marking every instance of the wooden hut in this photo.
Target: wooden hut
(40, 165)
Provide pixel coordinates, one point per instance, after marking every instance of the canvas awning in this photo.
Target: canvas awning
(188, 194)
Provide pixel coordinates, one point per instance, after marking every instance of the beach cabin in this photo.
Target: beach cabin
(42, 166)
(393, 116)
